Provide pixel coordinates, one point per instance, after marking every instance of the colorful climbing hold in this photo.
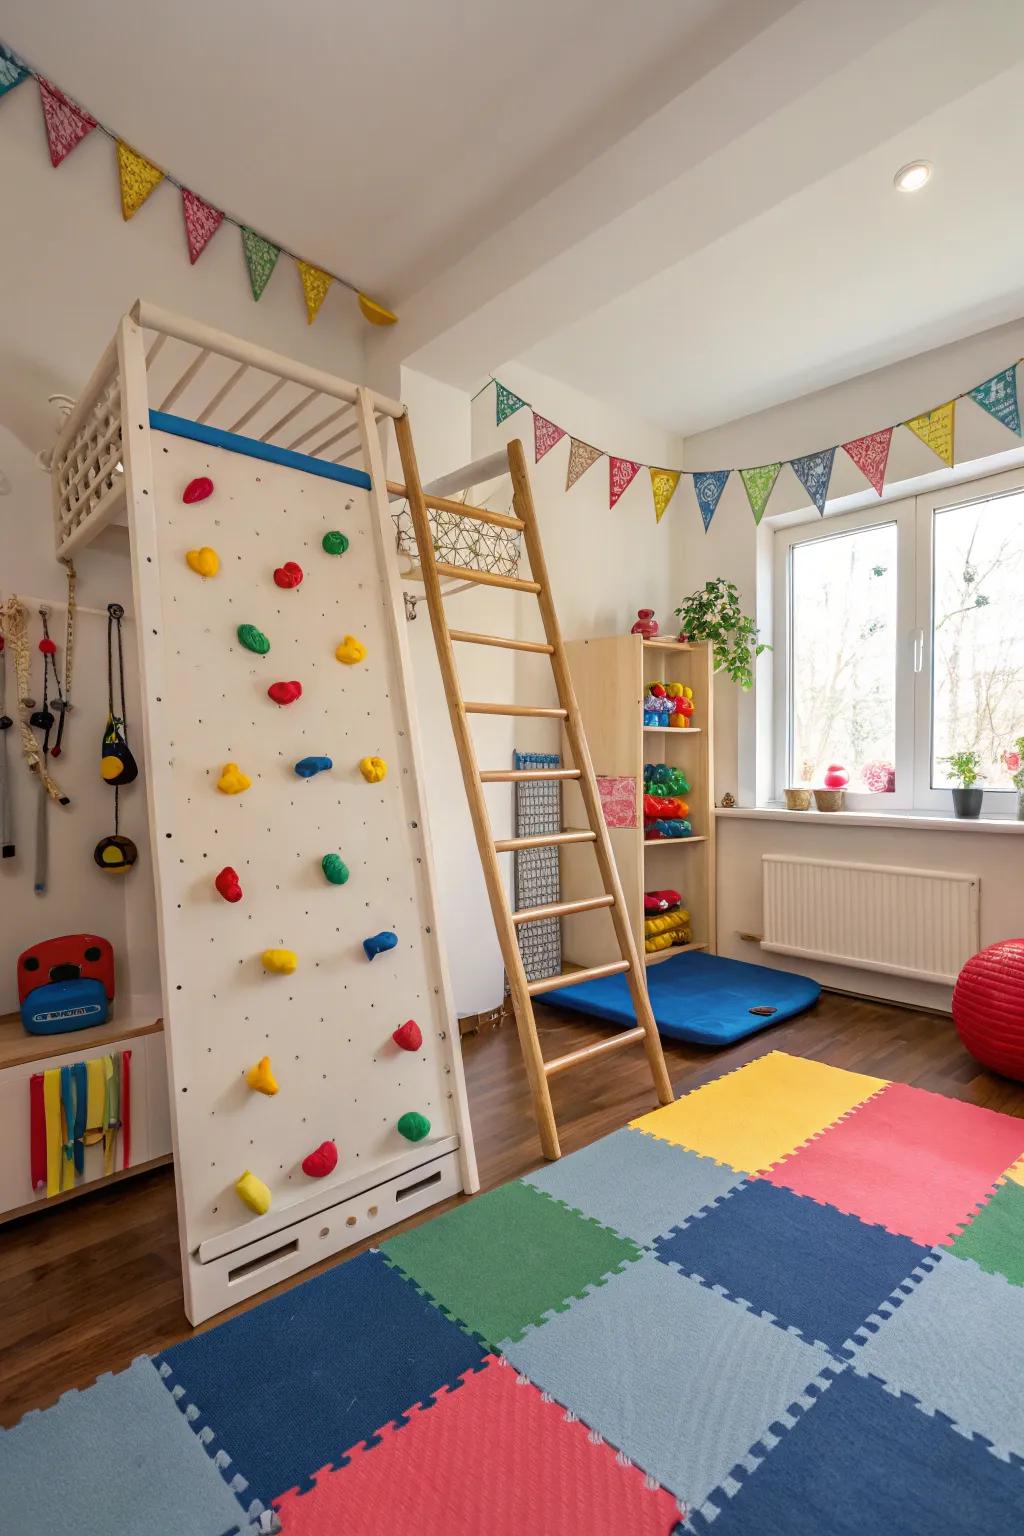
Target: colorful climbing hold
(285, 693)
(261, 1077)
(288, 575)
(253, 639)
(281, 961)
(48, 646)
(413, 1126)
(334, 543)
(335, 869)
(408, 1036)
(228, 884)
(379, 943)
(309, 767)
(205, 561)
(253, 1192)
(197, 490)
(232, 780)
(351, 651)
(373, 769)
(321, 1162)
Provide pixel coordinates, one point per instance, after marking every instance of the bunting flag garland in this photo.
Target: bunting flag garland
(201, 223)
(66, 124)
(759, 483)
(708, 485)
(545, 436)
(935, 429)
(315, 284)
(814, 472)
(663, 488)
(581, 456)
(998, 396)
(139, 177)
(260, 259)
(11, 72)
(621, 474)
(505, 404)
(871, 455)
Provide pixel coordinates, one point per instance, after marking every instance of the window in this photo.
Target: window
(899, 641)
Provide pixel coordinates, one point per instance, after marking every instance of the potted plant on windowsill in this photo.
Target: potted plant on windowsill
(714, 614)
(965, 767)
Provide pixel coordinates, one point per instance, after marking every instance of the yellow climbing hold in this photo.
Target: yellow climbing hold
(373, 769)
(261, 1077)
(232, 780)
(254, 1192)
(351, 651)
(205, 561)
(281, 961)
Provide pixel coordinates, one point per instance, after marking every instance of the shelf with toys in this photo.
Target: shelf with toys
(663, 770)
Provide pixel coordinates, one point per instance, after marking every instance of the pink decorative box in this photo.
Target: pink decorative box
(618, 801)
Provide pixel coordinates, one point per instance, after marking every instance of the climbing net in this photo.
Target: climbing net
(458, 541)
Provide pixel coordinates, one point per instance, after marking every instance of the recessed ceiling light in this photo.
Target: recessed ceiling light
(912, 177)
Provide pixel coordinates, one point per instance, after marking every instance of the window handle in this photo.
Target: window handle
(918, 650)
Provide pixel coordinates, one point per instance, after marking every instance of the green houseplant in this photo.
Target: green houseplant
(714, 614)
(965, 767)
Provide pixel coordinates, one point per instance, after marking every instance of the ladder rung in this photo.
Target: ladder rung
(526, 775)
(487, 578)
(538, 710)
(561, 909)
(470, 637)
(599, 1048)
(543, 840)
(460, 508)
(570, 978)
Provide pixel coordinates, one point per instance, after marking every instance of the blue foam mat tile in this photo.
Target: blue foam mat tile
(698, 997)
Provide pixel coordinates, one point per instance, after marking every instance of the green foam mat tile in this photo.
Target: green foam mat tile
(995, 1238)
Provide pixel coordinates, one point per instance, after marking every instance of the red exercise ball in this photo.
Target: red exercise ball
(988, 1007)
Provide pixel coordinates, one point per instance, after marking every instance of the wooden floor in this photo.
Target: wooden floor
(87, 1286)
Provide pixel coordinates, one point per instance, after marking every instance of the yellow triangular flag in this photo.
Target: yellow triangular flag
(663, 488)
(138, 178)
(314, 285)
(935, 429)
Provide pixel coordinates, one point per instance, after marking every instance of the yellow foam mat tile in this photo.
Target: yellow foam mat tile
(753, 1116)
(1016, 1172)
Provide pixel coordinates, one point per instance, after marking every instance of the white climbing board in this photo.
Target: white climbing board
(327, 1027)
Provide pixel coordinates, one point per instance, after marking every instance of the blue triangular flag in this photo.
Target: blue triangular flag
(814, 471)
(12, 71)
(505, 404)
(708, 486)
(998, 396)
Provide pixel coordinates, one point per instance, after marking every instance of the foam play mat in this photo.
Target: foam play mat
(704, 998)
(789, 1304)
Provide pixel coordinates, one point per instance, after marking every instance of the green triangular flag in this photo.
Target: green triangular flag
(759, 483)
(12, 71)
(505, 404)
(260, 258)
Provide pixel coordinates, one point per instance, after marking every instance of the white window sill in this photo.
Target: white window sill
(919, 821)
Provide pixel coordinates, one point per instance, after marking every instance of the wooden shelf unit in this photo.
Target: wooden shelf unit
(610, 676)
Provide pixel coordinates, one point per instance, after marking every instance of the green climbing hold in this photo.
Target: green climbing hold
(334, 867)
(253, 639)
(334, 543)
(414, 1126)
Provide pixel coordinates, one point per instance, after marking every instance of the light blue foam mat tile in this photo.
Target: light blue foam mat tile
(636, 1184)
(677, 1377)
(117, 1459)
(956, 1344)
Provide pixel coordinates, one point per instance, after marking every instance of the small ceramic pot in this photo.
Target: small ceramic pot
(797, 799)
(967, 803)
(829, 799)
(646, 624)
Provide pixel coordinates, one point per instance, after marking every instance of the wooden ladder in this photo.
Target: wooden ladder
(505, 920)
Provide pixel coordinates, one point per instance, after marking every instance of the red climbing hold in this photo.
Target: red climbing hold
(197, 490)
(321, 1162)
(228, 884)
(48, 646)
(285, 693)
(409, 1036)
(289, 574)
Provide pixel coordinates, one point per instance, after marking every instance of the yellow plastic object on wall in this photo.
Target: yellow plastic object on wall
(261, 1077)
(281, 961)
(373, 769)
(351, 651)
(253, 1192)
(374, 312)
(205, 561)
(233, 781)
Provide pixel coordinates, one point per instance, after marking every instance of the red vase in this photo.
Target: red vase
(646, 624)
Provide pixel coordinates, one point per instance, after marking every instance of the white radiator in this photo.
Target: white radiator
(920, 923)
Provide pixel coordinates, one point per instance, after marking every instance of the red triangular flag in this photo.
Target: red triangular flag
(201, 223)
(545, 436)
(871, 454)
(66, 124)
(621, 473)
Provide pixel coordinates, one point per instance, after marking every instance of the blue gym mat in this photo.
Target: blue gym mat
(699, 997)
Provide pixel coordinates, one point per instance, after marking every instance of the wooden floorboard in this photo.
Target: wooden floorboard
(87, 1286)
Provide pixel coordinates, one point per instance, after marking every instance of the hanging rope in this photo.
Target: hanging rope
(12, 615)
(6, 835)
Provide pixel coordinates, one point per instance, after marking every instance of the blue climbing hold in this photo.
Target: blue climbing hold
(379, 943)
(307, 767)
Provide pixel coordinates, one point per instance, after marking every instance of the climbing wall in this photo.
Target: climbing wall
(225, 797)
